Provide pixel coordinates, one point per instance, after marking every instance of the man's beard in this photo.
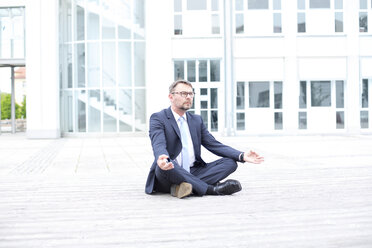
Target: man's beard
(185, 106)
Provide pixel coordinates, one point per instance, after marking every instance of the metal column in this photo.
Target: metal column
(13, 110)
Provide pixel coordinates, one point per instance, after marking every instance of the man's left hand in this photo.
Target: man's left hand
(253, 157)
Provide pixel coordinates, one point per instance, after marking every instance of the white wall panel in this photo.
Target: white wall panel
(322, 68)
(198, 48)
(259, 69)
(365, 47)
(366, 67)
(322, 46)
(259, 47)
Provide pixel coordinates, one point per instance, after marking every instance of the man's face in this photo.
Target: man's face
(180, 102)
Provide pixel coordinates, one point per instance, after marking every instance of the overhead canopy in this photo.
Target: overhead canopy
(12, 62)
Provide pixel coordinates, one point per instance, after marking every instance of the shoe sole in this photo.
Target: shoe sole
(182, 190)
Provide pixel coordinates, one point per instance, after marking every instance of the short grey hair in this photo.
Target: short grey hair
(180, 81)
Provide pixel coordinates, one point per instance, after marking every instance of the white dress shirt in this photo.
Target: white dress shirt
(189, 141)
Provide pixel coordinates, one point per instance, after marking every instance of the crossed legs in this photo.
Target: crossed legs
(200, 177)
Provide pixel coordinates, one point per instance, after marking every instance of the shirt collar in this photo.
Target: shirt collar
(177, 116)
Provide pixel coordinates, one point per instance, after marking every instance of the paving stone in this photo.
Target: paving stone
(311, 191)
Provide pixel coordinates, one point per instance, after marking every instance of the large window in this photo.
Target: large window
(320, 16)
(205, 75)
(321, 97)
(103, 66)
(259, 101)
(253, 17)
(197, 17)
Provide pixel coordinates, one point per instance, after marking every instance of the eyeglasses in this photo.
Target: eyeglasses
(184, 94)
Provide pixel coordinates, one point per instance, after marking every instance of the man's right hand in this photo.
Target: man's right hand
(163, 163)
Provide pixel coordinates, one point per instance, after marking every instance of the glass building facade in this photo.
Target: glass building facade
(102, 66)
(12, 33)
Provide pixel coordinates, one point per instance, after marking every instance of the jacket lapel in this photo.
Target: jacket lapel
(173, 122)
(192, 129)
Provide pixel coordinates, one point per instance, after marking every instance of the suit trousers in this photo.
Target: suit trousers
(200, 176)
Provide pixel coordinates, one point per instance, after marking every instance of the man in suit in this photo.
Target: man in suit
(176, 138)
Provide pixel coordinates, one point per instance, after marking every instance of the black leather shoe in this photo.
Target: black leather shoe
(228, 187)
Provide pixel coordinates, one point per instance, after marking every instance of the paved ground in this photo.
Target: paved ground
(312, 191)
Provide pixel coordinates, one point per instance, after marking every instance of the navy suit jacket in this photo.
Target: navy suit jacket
(166, 139)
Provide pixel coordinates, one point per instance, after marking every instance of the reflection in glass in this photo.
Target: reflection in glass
(240, 121)
(80, 100)
(240, 95)
(93, 26)
(177, 5)
(125, 110)
(109, 111)
(177, 24)
(124, 33)
(214, 120)
(255, 4)
(124, 64)
(277, 23)
(94, 111)
(80, 70)
(340, 120)
(191, 70)
(239, 23)
(259, 94)
(215, 70)
(215, 24)
(320, 93)
(204, 104)
(93, 64)
(339, 4)
(69, 66)
(339, 22)
(108, 64)
(239, 4)
(320, 4)
(79, 23)
(196, 4)
(302, 120)
(301, 23)
(215, 6)
(139, 63)
(203, 70)
(12, 32)
(66, 109)
(303, 99)
(339, 94)
(363, 4)
(365, 93)
(277, 4)
(140, 109)
(278, 119)
(203, 91)
(301, 4)
(278, 95)
(108, 29)
(364, 122)
(214, 99)
(139, 13)
(363, 22)
(179, 70)
(204, 115)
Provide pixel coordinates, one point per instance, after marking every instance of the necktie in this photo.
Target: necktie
(185, 152)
